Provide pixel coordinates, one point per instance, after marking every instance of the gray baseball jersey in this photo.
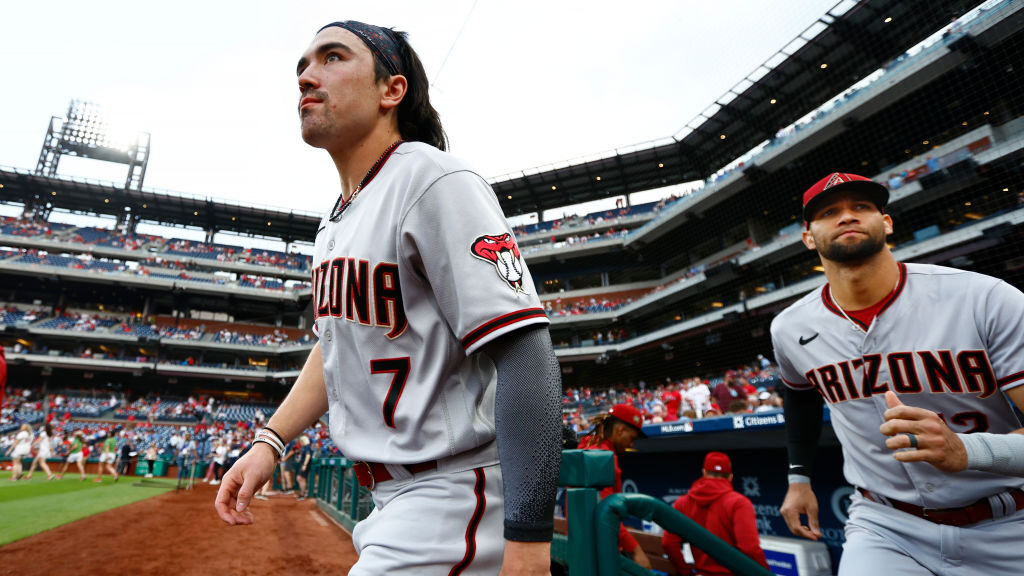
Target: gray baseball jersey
(418, 273)
(945, 340)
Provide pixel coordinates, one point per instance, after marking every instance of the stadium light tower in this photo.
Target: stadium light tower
(86, 132)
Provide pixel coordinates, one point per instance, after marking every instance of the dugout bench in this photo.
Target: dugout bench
(586, 542)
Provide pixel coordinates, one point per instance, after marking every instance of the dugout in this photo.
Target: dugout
(669, 460)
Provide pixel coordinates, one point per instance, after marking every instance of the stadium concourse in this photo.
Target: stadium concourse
(665, 304)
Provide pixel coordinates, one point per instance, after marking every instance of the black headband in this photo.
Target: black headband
(381, 41)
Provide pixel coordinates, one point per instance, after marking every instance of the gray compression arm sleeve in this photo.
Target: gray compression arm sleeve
(996, 453)
(528, 417)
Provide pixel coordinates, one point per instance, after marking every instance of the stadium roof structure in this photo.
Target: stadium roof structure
(169, 208)
(846, 44)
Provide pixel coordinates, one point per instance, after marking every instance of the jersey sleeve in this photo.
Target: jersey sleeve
(790, 375)
(1002, 326)
(456, 236)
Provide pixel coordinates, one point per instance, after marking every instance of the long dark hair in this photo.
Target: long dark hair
(603, 425)
(417, 119)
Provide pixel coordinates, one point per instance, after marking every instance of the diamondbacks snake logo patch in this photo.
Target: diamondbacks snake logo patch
(501, 250)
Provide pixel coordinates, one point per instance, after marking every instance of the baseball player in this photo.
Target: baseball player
(434, 358)
(615, 431)
(914, 361)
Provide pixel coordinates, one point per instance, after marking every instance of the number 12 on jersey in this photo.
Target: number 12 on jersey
(400, 368)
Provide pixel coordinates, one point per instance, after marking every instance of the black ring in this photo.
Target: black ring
(913, 440)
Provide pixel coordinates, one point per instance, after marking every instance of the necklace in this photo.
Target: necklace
(847, 316)
(342, 205)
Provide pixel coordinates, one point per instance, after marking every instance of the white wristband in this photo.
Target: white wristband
(799, 479)
(277, 452)
(996, 453)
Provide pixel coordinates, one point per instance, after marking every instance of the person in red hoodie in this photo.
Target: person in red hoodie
(712, 503)
(615, 432)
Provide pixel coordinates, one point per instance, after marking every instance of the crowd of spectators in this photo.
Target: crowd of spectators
(14, 315)
(750, 388)
(92, 236)
(153, 266)
(276, 338)
(22, 405)
(247, 281)
(79, 322)
(276, 259)
(28, 227)
(579, 306)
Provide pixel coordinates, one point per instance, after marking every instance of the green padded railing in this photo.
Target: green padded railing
(614, 508)
(338, 492)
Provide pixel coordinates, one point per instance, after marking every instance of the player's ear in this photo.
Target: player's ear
(888, 223)
(808, 239)
(394, 89)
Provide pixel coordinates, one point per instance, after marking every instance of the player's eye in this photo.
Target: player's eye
(332, 57)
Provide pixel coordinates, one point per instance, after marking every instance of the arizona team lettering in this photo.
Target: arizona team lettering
(966, 372)
(345, 288)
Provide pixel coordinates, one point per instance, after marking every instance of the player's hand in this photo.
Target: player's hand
(936, 443)
(800, 499)
(239, 484)
(526, 559)
(640, 557)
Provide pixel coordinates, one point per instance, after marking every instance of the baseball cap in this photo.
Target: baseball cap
(628, 415)
(717, 462)
(837, 181)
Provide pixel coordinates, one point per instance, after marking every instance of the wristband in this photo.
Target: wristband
(270, 441)
(275, 441)
(272, 447)
(274, 432)
(799, 479)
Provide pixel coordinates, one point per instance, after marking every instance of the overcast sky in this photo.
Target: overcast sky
(527, 83)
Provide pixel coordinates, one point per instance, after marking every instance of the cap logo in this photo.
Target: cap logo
(836, 178)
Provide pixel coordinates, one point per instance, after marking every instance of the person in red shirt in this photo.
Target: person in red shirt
(712, 503)
(672, 398)
(615, 432)
(746, 386)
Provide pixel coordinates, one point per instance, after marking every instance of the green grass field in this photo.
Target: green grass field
(28, 507)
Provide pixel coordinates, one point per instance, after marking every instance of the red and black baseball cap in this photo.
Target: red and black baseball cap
(629, 416)
(718, 462)
(837, 181)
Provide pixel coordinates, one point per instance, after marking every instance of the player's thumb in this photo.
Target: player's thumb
(892, 400)
(245, 494)
(812, 523)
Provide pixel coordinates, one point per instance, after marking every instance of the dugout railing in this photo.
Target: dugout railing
(590, 544)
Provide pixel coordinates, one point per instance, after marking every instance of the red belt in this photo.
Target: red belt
(963, 516)
(370, 473)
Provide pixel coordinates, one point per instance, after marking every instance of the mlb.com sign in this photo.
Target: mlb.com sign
(755, 420)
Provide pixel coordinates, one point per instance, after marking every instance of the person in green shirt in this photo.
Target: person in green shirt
(107, 457)
(76, 456)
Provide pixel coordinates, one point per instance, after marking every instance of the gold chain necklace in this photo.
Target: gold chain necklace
(342, 205)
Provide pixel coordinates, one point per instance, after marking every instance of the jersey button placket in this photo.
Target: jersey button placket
(328, 335)
(330, 245)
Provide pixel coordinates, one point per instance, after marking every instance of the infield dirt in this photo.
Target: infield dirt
(179, 534)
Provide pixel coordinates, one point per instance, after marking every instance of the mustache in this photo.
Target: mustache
(321, 96)
(849, 229)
